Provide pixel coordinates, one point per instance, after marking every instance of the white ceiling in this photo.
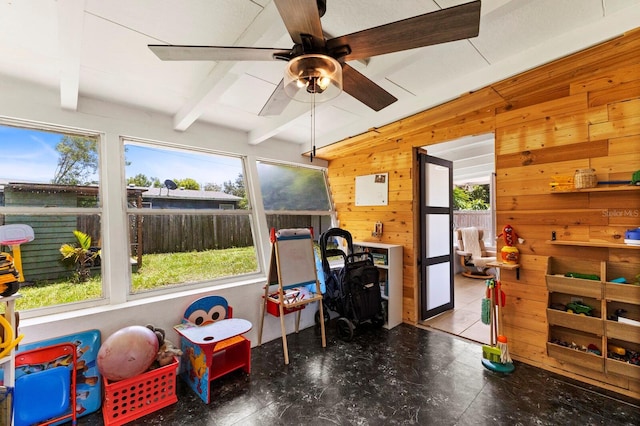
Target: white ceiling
(472, 157)
(98, 49)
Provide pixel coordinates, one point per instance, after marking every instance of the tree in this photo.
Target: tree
(481, 193)
(187, 183)
(460, 198)
(293, 188)
(141, 180)
(78, 160)
(211, 186)
(469, 197)
(237, 188)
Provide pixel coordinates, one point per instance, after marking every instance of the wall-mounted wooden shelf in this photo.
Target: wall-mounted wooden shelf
(507, 266)
(504, 265)
(593, 244)
(604, 188)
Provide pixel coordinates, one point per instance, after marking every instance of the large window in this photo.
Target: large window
(50, 195)
(190, 221)
(295, 196)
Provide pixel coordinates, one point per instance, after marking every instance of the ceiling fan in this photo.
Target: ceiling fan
(318, 66)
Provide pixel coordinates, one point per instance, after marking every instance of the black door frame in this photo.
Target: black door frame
(425, 263)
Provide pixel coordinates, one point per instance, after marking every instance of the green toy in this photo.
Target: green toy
(593, 277)
(579, 308)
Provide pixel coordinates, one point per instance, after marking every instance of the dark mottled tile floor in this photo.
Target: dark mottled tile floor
(403, 376)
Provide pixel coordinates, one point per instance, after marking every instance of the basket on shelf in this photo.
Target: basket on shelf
(585, 178)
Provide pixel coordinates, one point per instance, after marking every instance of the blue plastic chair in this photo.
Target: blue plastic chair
(45, 388)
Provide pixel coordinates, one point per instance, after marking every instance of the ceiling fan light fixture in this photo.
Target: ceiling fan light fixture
(315, 74)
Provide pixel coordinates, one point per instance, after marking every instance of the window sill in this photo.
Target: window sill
(138, 302)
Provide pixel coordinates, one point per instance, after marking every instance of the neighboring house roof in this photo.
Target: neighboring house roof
(186, 194)
(48, 187)
(147, 193)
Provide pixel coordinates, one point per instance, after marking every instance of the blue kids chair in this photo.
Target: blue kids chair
(45, 389)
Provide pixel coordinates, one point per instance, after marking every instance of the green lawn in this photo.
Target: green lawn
(158, 270)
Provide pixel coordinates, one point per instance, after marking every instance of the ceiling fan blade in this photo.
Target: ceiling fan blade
(277, 102)
(453, 23)
(216, 53)
(301, 17)
(365, 90)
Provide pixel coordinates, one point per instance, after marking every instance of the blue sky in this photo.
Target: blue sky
(30, 156)
(175, 164)
(27, 156)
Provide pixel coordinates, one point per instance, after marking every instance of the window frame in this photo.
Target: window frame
(249, 212)
(331, 213)
(113, 211)
(52, 211)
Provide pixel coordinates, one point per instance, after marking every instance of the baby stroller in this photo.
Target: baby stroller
(353, 288)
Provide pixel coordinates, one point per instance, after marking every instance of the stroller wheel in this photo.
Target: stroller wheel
(377, 321)
(345, 329)
(326, 315)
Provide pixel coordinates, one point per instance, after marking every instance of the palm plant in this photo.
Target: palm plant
(81, 255)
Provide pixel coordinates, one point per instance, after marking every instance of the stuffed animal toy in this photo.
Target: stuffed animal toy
(159, 333)
(510, 236)
(166, 351)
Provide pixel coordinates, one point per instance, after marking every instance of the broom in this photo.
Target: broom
(504, 349)
(485, 312)
(502, 340)
(490, 352)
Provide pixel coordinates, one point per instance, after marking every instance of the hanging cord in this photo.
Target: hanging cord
(313, 124)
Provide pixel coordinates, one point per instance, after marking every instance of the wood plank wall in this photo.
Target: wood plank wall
(582, 111)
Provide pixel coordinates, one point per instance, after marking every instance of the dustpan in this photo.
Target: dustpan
(490, 353)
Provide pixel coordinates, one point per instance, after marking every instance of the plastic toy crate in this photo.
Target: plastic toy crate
(129, 399)
(273, 309)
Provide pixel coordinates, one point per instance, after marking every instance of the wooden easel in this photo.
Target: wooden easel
(292, 265)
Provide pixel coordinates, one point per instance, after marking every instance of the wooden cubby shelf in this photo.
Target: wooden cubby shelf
(601, 328)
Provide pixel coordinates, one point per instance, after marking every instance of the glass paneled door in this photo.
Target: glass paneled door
(436, 219)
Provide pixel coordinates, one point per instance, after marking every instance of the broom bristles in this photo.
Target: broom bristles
(485, 311)
(505, 358)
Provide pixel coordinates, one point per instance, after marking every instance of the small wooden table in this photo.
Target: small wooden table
(213, 350)
(214, 332)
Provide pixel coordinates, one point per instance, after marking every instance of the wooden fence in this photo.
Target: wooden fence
(481, 219)
(159, 234)
(182, 233)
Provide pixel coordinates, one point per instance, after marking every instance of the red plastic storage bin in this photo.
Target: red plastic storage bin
(129, 399)
(272, 306)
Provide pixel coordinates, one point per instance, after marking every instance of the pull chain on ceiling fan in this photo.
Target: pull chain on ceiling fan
(313, 125)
